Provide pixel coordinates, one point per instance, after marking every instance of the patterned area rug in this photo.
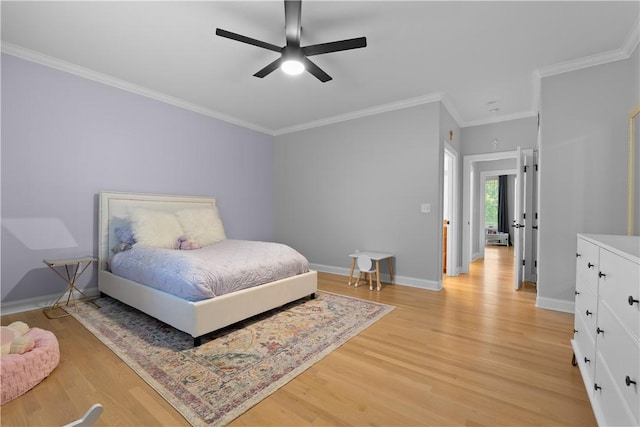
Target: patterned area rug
(238, 366)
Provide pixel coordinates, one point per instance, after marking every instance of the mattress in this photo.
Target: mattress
(211, 271)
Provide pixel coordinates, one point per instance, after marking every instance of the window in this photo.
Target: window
(491, 203)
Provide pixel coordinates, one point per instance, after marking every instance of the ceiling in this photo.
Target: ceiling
(474, 56)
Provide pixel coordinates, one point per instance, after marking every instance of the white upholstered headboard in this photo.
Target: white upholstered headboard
(114, 208)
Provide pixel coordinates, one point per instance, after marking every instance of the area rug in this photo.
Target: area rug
(238, 366)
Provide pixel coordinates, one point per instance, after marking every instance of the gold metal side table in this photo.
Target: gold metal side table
(74, 269)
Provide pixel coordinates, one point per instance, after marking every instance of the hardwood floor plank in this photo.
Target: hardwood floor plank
(477, 353)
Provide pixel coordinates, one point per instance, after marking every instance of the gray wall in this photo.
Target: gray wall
(510, 134)
(583, 173)
(359, 185)
(65, 138)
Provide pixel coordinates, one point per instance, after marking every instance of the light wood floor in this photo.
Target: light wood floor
(477, 353)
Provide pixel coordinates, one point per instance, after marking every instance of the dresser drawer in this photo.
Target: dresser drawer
(621, 281)
(622, 353)
(585, 351)
(610, 407)
(587, 263)
(586, 306)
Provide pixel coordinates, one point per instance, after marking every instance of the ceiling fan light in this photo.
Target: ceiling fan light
(293, 67)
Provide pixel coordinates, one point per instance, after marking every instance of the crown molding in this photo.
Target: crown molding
(406, 103)
(625, 52)
(629, 46)
(58, 64)
(501, 118)
(581, 63)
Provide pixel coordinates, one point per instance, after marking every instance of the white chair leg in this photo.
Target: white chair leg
(355, 285)
(89, 418)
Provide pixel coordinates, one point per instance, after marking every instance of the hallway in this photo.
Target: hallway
(492, 274)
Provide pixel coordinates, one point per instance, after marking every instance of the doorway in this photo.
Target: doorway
(450, 211)
(473, 233)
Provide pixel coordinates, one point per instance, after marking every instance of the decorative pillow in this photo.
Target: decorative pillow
(186, 245)
(202, 225)
(156, 229)
(125, 234)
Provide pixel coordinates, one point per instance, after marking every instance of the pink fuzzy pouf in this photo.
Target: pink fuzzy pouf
(21, 372)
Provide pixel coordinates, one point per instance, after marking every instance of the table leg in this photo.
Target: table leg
(70, 280)
(353, 266)
(389, 263)
(378, 274)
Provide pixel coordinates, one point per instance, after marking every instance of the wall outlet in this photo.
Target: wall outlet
(425, 208)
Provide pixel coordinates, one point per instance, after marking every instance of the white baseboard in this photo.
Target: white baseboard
(456, 272)
(38, 303)
(555, 304)
(398, 280)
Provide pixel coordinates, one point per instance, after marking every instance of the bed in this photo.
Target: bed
(199, 317)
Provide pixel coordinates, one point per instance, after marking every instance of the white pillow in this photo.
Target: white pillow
(202, 225)
(156, 229)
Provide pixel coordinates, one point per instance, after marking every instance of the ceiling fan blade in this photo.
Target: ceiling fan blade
(318, 49)
(269, 68)
(316, 71)
(244, 39)
(292, 21)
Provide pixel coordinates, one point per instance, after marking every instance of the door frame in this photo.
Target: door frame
(469, 163)
(453, 197)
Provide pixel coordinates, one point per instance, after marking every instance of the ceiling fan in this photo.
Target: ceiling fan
(293, 57)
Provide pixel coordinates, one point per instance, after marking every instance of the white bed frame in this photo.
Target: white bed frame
(195, 318)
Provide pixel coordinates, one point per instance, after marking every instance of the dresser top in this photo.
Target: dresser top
(625, 246)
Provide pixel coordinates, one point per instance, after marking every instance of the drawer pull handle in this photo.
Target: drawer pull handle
(600, 331)
(588, 313)
(633, 300)
(589, 265)
(596, 387)
(601, 274)
(589, 361)
(628, 381)
(578, 255)
(575, 331)
(578, 293)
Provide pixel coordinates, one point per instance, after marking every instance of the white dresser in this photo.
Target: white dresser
(606, 341)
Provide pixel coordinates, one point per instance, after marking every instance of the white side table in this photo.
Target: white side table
(375, 256)
(74, 269)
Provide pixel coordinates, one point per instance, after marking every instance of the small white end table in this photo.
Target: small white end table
(375, 256)
(74, 269)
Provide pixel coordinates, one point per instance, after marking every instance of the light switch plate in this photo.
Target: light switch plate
(425, 208)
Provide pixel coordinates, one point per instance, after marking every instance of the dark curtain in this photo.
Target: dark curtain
(503, 205)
